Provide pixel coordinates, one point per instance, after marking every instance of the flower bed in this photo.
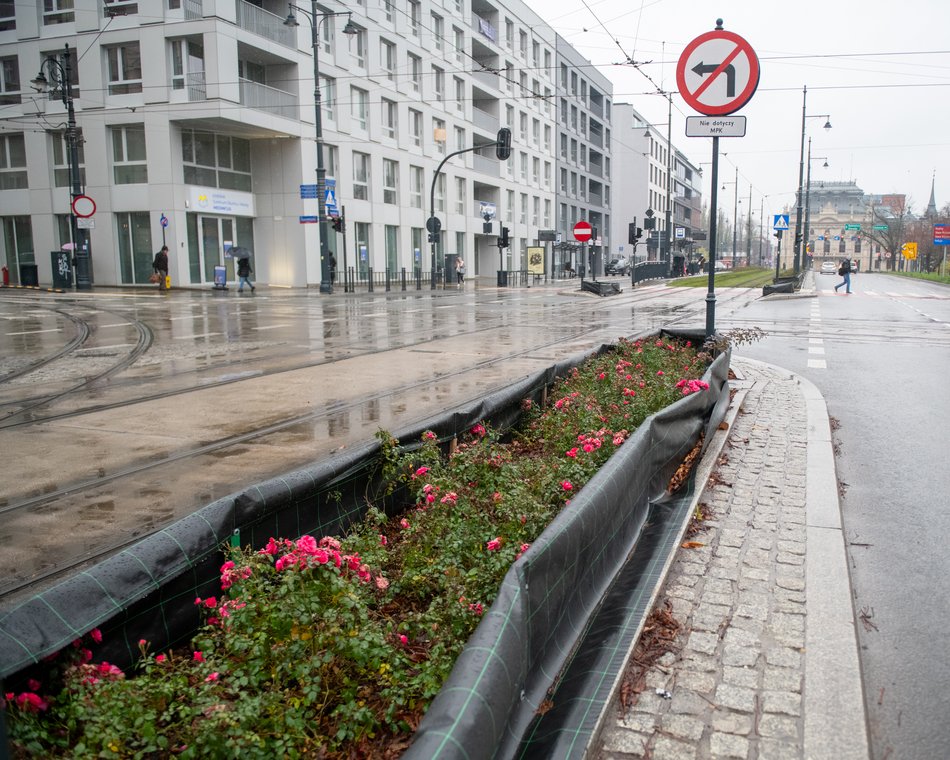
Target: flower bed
(335, 647)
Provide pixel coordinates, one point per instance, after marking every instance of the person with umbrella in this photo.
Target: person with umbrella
(243, 256)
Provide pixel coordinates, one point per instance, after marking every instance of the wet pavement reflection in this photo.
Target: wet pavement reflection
(122, 411)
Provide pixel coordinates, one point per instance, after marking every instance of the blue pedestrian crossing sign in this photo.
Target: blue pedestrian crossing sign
(780, 222)
(330, 201)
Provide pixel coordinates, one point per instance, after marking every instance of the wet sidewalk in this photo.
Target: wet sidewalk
(764, 661)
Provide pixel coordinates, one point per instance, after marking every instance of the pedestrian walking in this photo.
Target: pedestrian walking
(160, 267)
(459, 271)
(332, 268)
(845, 271)
(244, 272)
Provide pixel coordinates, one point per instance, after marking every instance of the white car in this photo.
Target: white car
(829, 267)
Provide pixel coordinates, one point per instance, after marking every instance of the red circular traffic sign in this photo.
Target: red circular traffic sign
(583, 232)
(83, 206)
(717, 73)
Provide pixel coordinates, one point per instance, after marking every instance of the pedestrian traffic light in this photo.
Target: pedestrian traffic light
(339, 225)
(503, 241)
(632, 233)
(433, 237)
(503, 144)
(778, 234)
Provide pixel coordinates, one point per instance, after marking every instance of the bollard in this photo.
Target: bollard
(403, 278)
(370, 271)
(388, 288)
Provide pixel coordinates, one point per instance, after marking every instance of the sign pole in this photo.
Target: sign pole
(713, 232)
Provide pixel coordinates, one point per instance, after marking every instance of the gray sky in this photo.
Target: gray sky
(880, 70)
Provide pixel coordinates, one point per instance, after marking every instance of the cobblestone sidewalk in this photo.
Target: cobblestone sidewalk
(734, 684)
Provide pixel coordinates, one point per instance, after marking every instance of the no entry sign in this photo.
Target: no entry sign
(583, 232)
(717, 73)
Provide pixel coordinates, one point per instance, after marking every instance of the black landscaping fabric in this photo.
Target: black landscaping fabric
(522, 648)
(519, 660)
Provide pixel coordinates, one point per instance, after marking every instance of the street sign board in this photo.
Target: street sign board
(83, 206)
(717, 73)
(583, 231)
(852, 227)
(780, 222)
(309, 219)
(680, 233)
(880, 227)
(308, 191)
(548, 236)
(163, 220)
(720, 126)
(942, 234)
(330, 198)
(85, 223)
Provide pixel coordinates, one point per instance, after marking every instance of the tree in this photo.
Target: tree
(894, 217)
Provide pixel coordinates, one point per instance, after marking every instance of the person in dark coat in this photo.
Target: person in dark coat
(244, 272)
(160, 266)
(845, 271)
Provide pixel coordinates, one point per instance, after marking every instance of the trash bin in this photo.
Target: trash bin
(29, 274)
(502, 278)
(62, 269)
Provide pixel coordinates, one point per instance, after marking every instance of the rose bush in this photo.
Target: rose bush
(333, 647)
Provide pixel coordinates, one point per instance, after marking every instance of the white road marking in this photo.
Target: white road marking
(33, 332)
(817, 364)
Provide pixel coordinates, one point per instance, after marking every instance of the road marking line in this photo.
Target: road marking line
(33, 332)
(270, 327)
(816, 350)
(817, 364)
(193, 337)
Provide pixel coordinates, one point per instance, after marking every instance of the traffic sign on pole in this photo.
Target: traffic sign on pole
(717, 73)
(780, 222)
(583, 232)
(83, 206)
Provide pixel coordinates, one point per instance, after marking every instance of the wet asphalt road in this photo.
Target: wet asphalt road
(881, 357)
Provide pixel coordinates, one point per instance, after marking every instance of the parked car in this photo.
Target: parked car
(829, 267)
(618, 266)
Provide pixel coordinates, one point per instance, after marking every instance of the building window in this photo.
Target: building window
(18, 243)
(389, 118)
(358, 47)
(547, 174)
(459, 95)
(523, 166)
(459, 138)
(547, 212)
(523, 216)
(134, 238)
(361, 235)
(523, 45)
(415, 186)
(128, 155)
(438, 30)
(510, 206)
(7, 16)
(12, 162)
(460, 246)
(9, 81)
(390, 181)
(360, 176)
(328, 98)
(459, 41)
(112, 8)
(388, 8)
(415, 71)
(188, 65)
(460, 203)
(438, 135)
(415, 14)
(438, 77)
(440, 193)
(358, 106)
(216, 160)
(509, 34)
(392, 247)
(535, 211)
(58, 12)
(536, 171)
(387, 57)
(125, 69)
(416, 235)
(415, 126)
(61, 159)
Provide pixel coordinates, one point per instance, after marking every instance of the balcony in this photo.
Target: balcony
(484, 120)
(270, 99)
(265, 24)
(195, 86)
(486, 78)
(485, 165)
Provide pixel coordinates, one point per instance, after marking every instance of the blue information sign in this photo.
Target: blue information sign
(308, 191)
(309, 219)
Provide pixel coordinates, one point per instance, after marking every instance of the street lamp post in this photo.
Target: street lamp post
(60, 83)
(799, 237)
(316, 17)
(807, 230)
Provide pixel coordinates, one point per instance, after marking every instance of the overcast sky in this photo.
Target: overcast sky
(880, 70)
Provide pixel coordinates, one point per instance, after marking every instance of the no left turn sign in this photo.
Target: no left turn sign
(717, 73)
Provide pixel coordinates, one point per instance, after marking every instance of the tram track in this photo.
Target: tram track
(70, 504)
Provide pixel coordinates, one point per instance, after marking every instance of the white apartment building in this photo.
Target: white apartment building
(200, 114)
(583, 159)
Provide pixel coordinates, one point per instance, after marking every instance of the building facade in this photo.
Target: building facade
(197, 130)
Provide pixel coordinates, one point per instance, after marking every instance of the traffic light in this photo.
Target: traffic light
(339, 224)
(503, 241)
(778, 234)
(632, 233)
(433, 237)
(503, 144)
